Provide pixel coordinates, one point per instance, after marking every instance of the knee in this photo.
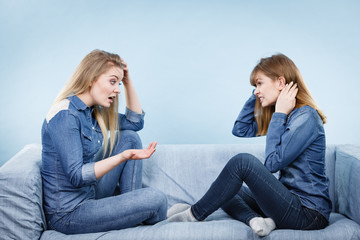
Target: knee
(240, 160)
(157, 196)
(130, 137)
(157, 199)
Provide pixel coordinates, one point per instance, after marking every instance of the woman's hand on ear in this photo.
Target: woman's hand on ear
(286, 100)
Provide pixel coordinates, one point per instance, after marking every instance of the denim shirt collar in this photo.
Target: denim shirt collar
(79, 104)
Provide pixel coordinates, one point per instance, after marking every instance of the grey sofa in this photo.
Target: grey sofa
(183, 173)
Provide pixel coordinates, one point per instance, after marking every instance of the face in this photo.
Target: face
(104, 90)
(267, 89)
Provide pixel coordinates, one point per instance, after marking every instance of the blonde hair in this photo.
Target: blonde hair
(274, 67)
(90, 68)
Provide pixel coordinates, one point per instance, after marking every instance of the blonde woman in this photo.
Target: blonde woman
(282, 108)
(92, 182)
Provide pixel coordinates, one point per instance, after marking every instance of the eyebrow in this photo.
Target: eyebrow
(114, 76)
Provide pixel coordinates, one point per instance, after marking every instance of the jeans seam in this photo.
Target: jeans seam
(133, 177)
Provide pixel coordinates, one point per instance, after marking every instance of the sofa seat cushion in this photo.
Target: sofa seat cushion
(217, 226)
(340, 227)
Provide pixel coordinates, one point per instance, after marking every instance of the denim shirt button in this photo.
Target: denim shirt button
(93, 127)
(98, 141)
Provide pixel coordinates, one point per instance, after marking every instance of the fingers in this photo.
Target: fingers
(290, 88)
(294, 92)
(152, 145)
(123, 63)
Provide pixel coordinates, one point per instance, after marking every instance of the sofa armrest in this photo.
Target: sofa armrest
(21, 211)
(347, 181)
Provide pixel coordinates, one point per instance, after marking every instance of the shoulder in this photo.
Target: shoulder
(304, 115)
(59, 110)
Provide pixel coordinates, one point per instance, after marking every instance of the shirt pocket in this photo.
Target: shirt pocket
(88, 145)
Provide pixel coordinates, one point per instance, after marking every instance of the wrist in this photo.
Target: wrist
(122, 157)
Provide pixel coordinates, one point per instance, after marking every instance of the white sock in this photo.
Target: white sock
(177, 208)
(262, 226)
(185, 216)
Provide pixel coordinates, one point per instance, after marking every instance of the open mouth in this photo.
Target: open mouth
(111, 98)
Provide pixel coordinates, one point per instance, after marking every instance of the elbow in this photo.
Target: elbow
(80, 177)
(273, 168)
(237, 133)
(139, 125)
(242, 131)
(75, 181)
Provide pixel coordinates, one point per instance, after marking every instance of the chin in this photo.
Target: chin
(106, 105)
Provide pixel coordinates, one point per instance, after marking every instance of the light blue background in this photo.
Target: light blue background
(190, 61)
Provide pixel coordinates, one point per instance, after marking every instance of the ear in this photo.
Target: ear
(281, 82)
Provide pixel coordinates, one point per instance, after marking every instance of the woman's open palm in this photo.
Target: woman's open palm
(136, 154)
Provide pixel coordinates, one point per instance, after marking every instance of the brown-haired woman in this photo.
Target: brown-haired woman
(282, 108)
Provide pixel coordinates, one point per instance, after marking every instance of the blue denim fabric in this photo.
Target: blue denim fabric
(74, 201)
(71, 137)
(267, 197)
(295, 146)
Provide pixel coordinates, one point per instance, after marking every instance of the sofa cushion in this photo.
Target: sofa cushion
(217, 226)
(21, 210)
(348, 181)
(340, 228)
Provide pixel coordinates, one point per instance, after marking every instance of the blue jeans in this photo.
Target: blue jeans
(119, 202)
(265, 196)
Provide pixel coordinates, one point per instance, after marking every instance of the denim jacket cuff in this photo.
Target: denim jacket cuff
(133, 116)
(88, 173)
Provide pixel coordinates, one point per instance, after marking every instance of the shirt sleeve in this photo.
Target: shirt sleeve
(284, 143)
(245, 124)
(66, 137)
(131, 120)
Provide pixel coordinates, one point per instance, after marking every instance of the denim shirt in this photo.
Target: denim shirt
(295, 146)
(71, 137)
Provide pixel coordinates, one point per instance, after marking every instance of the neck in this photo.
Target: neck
(85, 97)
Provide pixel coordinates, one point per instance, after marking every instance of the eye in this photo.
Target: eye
(112, 82)
(120, 83)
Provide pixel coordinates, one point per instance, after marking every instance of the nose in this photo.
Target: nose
(117, 89)
(256, 92)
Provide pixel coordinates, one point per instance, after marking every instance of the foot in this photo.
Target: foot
(177, 208)
(262, 226)
(185, 216)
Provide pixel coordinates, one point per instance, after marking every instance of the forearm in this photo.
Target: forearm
(132, 100)
(245, 124)
(106, 165)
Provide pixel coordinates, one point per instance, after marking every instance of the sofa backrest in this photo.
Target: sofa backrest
(21, 212)
(347, 184)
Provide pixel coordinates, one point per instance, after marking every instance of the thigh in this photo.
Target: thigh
(112, 213)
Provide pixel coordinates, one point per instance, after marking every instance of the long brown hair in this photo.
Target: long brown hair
(90, 68)
(274, 67)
